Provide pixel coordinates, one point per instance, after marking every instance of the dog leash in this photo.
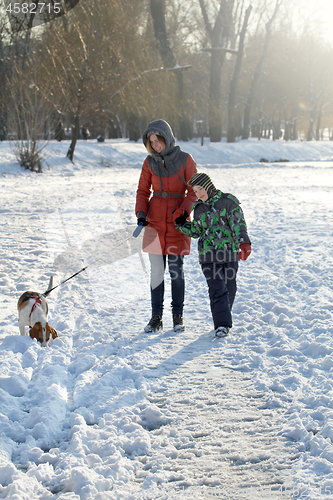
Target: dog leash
(45, 294)
(135, 234)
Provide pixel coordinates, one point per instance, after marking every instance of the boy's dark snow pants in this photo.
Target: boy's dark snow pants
(221, 280)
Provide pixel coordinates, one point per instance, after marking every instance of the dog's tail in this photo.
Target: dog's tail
(49, 288)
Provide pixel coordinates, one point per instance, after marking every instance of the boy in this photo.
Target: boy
(218, 222)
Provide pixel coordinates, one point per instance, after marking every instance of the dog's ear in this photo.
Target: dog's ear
(50, 331)
(54, 333)
(33, 332)
(36, 332)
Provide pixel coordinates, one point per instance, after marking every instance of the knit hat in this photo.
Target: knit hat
(153, 132)
(203, 180)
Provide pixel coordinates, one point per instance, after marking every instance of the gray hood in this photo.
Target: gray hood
(164, 129)
(169, 161)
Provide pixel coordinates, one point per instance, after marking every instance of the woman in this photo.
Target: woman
(166, 171)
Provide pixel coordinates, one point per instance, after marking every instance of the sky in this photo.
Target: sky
(320, 11)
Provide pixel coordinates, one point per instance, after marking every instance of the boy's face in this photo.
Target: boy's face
(200, 193)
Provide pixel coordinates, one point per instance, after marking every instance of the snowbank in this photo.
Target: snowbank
(108, 412)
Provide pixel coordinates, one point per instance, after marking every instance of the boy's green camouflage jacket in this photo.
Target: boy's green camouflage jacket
(220, 226)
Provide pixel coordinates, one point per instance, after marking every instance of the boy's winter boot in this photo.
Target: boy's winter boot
(154, 325)
(178, 323)
(221, 331)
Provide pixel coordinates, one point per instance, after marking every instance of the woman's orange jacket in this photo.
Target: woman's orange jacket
(170, 194)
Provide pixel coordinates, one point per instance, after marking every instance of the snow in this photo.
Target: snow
(108, 412)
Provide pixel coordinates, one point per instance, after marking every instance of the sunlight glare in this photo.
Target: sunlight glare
(321, 13)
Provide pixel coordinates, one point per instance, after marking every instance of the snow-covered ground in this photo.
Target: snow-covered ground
(108, 412)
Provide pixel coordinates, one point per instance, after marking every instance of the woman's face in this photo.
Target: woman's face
(200, 193)
(156, 144)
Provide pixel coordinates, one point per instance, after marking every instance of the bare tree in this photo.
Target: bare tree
(315, 98)
(256, 74)
(169, 61)
(4, 72)
(83, 74)
(234, 80)
(218, 36)
(31, 108)
(92, 54)
(99, 66)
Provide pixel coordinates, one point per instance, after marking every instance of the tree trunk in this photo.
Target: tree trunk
(287, 131)
(81, 83)
(311, 126)
(157, 9)
(318, 125)
(214, 106)
(75, 136)
(218, 36)
(235, 78)
(256, 75)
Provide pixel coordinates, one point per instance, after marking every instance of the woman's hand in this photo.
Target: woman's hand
(180, 219)
(142, 221)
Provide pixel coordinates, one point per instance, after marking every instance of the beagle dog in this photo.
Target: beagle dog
(32, 312)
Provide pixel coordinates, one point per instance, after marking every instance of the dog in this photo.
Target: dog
(32, 312)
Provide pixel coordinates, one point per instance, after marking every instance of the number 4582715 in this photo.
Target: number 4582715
(33, 8)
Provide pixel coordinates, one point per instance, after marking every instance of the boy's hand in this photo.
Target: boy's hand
(245, 250)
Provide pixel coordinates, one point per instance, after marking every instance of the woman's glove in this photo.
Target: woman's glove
(181, 219)
(142, 221)
(245, 250)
